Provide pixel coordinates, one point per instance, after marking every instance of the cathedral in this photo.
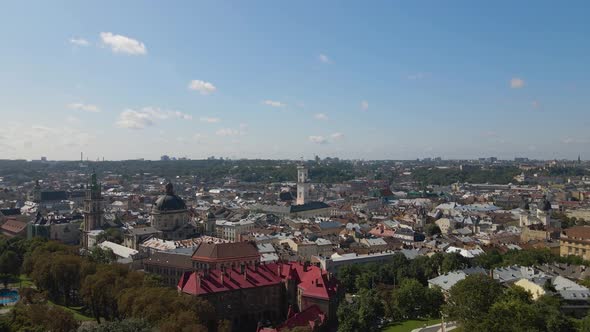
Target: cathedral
(170, 215)
(542, 215)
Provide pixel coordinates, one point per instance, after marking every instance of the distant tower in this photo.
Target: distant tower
(302, 185)
(93, 209)
(36, 195)
(544, 211)
(210, 224)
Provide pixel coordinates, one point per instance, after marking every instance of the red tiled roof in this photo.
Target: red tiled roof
(582, 232)
(224, 251)
(196, 283)
(311, 280)
(13, 226)
(307, 317)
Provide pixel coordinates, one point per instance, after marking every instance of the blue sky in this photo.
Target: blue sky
(278, 79)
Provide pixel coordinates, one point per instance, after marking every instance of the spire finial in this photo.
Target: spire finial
(169, 189)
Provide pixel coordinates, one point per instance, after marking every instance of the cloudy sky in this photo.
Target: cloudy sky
(286, 79)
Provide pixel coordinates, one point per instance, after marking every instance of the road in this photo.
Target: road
(436, 328)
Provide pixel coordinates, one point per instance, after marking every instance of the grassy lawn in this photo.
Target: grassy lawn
(77, 311)
(25, 281)
(409, 325)
(20, 281)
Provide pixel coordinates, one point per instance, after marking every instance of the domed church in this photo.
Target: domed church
(170, 216)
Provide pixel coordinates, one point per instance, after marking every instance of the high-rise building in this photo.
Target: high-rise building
(302, 185)
(93, 210)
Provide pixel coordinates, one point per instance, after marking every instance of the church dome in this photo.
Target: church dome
(169, 201)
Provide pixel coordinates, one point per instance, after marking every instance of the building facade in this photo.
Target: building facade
(575, 241)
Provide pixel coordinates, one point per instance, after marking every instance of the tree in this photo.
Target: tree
(510, 316)
(126, 325)
(471, 298)
(370, 310)
(453, 262)
(432, 229)
(347, 314)
(102, 256)
(413, 300)
(100, 291)
(42, 317)
(9, 266)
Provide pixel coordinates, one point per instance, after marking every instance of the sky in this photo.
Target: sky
(291, 79)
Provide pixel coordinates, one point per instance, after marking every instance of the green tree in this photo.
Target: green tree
(471, 298)
(9, 266)
(370, 310)
(432, 229)
(453, 262)
(348, 320)
(125, 325)
(413, 300)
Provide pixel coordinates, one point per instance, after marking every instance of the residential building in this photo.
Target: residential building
(575, 241)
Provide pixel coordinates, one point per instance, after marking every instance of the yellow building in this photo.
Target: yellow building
(534, 289)
(575, 241)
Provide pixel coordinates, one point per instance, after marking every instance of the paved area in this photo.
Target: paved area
(436, 328)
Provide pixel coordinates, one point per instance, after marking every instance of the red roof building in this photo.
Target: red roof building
(311, 317)
(228, 255)
(13, 227)
(246, 294)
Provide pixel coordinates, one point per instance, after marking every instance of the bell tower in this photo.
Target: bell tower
(302, 185)
(93, 209)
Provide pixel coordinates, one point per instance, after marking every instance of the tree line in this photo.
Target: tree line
(110, 293)
(398, 290)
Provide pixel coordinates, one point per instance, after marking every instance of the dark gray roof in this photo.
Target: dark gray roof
(53, 195)
(169, 203)
(309, 206)
(10, 212)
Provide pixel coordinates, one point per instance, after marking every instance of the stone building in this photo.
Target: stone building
(170, 215)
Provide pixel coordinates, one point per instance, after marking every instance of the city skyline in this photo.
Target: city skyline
(281, 81)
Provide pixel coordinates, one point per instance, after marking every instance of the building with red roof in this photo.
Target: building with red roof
(13, 227)
(312, 317)
(249, 294)
(228, 255)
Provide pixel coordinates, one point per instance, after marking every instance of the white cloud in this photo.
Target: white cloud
(325, 59)
(320, 116)
(364, 105)
(145, 117)
(273, 103)
(336, 136)
(79, 42)
(210, 120)
(122, 44)
(84, 107)
(318, 139)
(203, 87)
(516, 83)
